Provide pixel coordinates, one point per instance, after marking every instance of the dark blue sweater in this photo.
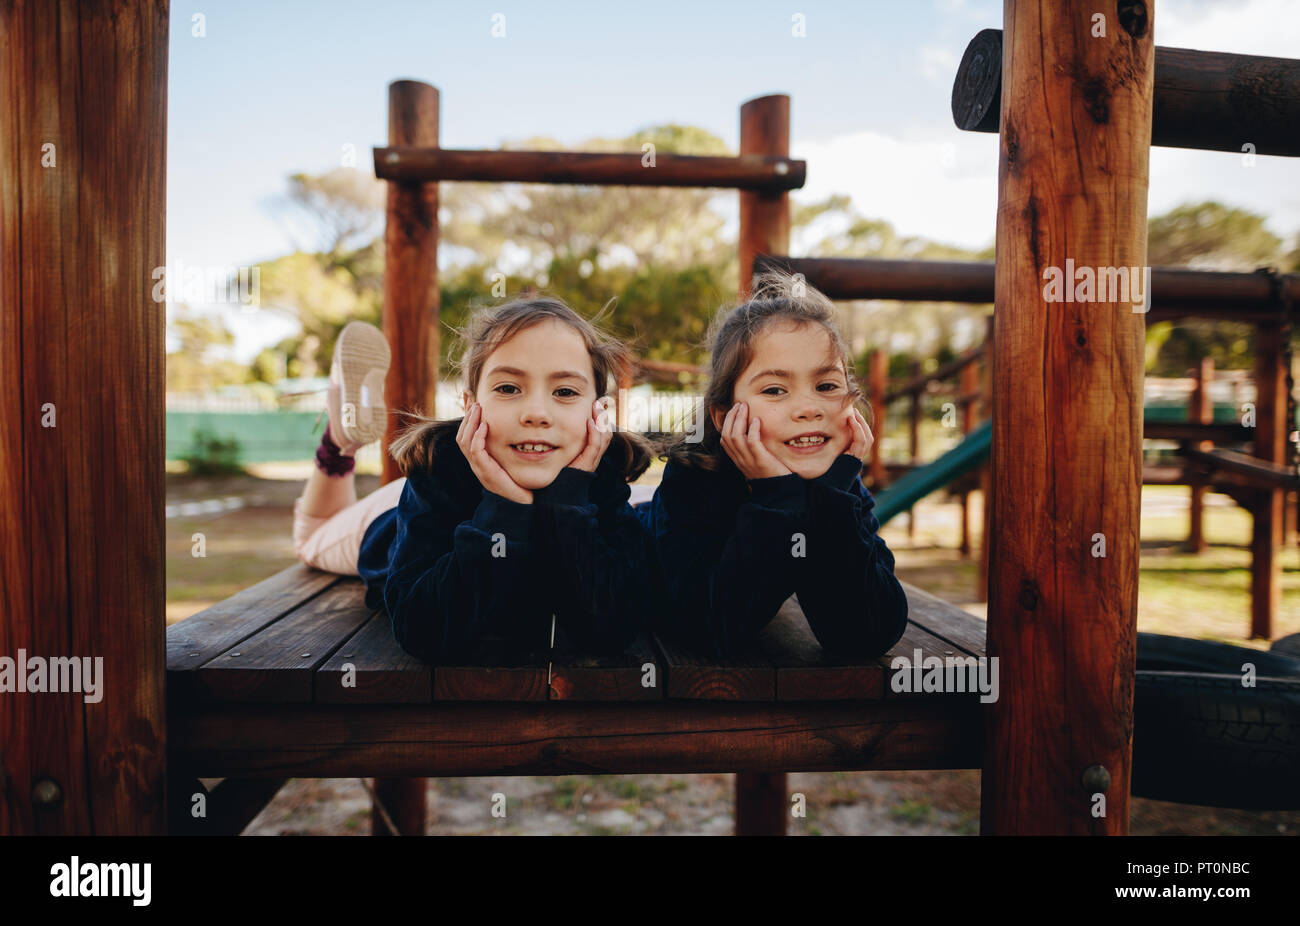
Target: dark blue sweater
(577, 552)
(726, 552)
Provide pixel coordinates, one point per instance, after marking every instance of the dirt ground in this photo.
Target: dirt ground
(246, 544)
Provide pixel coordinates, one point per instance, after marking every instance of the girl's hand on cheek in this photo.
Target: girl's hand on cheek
(472, 438)
(600, 431)
(862, 438)
(742, 440)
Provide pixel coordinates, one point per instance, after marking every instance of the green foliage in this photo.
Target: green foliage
(209, 455)
(1210, 235)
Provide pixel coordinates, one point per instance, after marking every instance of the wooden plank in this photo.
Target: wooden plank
(931, 647)
(747, 172)
(803, 670)
(500, 671)
(621, 677)
(197, 639)
(562, 738)
(381, 671)
(279, 662)
(749, 676)
(946, 621)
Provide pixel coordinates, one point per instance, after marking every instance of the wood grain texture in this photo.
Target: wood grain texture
(576, 738)
(1176, 292)
(279, 662)
(411, 298)
(748, 172)
(83, 127)
(1206, 100)
(1067, 426)
(380, 671)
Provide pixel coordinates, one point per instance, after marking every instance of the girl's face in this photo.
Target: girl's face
(536, 391)
(796, 385)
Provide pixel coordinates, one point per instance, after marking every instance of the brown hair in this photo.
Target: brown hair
(488, 329)
(777, 296)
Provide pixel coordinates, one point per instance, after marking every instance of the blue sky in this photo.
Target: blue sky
(274, 88)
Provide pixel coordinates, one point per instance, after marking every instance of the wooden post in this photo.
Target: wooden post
(411, 325)
(404, 800)
(969, 382)
(83, 151)
(1200, 409)
(1067, 425)
(914, 445)
(764, 229)
(1271, 432)
(986, 471)
(877, 376)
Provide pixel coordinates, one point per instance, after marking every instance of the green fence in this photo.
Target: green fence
(264, 437)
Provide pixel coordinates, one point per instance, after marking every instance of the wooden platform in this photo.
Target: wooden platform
(295, 677)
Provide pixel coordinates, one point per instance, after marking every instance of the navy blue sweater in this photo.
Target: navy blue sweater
(727, 553)
(577, 552)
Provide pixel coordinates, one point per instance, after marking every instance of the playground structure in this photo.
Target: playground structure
(83, 521)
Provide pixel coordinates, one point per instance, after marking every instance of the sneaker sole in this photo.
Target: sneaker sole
(363, 357)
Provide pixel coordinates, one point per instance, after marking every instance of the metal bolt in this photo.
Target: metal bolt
(304, 655)
(782, 168)
(47, 791)
(233, 655)
(391, 157)
(1096, 778)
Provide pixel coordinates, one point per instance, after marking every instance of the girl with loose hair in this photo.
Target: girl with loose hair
(769, 501)
(510, 515)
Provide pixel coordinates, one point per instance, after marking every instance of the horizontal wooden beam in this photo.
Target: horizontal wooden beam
(1261, 473)
(1175, 292)
(747, 172)
(1209, 101)
(456, 738)
(1220, 432)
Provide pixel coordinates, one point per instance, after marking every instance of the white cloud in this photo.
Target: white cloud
(943, 189)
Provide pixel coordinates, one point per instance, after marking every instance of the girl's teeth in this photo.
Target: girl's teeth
(533, 448)
(806, 441)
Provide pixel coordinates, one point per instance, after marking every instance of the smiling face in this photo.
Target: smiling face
(795, 384)
(536, 392)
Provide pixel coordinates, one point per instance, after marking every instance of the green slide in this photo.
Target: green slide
(919, 483)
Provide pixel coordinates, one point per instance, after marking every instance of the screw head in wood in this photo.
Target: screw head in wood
(47, 792)
(1096, 778)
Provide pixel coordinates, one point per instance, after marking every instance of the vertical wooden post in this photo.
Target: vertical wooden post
(1200, 409)
(1271, 432)
(969, 383)
(986, 471)
(914, 445)
(405, 800)
(879, 372)
(83, 152)
(411, 264)
(411, 326)
(764, 229)
(1067, 426)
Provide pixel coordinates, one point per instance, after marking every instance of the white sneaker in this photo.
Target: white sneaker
(357, 413)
